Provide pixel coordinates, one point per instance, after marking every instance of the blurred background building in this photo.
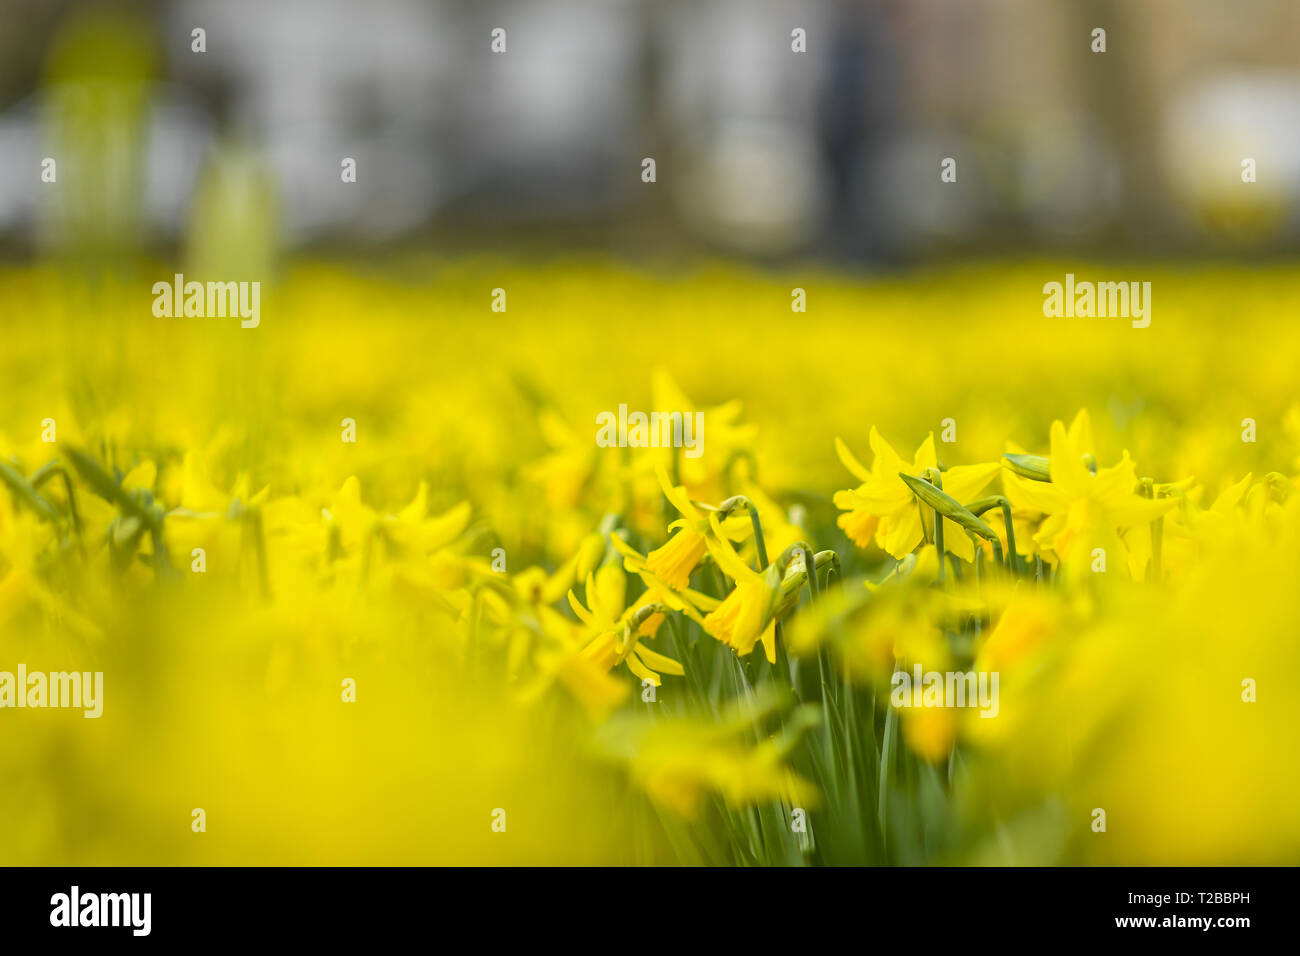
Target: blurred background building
(760, 150)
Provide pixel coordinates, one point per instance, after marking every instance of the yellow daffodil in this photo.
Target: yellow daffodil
(564, 471)
(690, 602)
(616, 630)
(725, 438)
(747, 614)
(674, 561)
(454, 599)
(885, 510)
(1084, 511)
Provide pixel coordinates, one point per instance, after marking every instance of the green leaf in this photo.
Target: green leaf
(25, 493)
(102, 484)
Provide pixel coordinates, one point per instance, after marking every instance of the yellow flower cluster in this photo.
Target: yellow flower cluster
(534, 623)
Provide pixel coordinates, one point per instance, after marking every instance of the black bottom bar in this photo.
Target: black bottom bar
(376, 905)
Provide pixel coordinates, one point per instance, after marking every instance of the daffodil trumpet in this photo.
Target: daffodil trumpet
(675, 560)
(749, 613)
(724, 511)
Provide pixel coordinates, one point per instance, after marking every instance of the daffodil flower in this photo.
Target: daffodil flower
(883, 508)
(352, 519)
(674, 561)
(616, 630)
(748, 614)
(1084, 511)
(415, 528)
(728, 437)
(557, 647)
(690, 602)
(596, 691)
(563, 472)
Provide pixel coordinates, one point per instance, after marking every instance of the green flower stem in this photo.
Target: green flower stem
(823, 666)
(474, 651)
(979, 556)
(886, 759)
(688, 662)
(832, 561)
(51, 470)
(254, 517)
(782, 664)
(728, 507)
(998, 501)
(933, 477)
(162, 560)
(1157, 532)
(803, 549)
(938, 544)
(759, 544)
(810, 566)
(1157, 548)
